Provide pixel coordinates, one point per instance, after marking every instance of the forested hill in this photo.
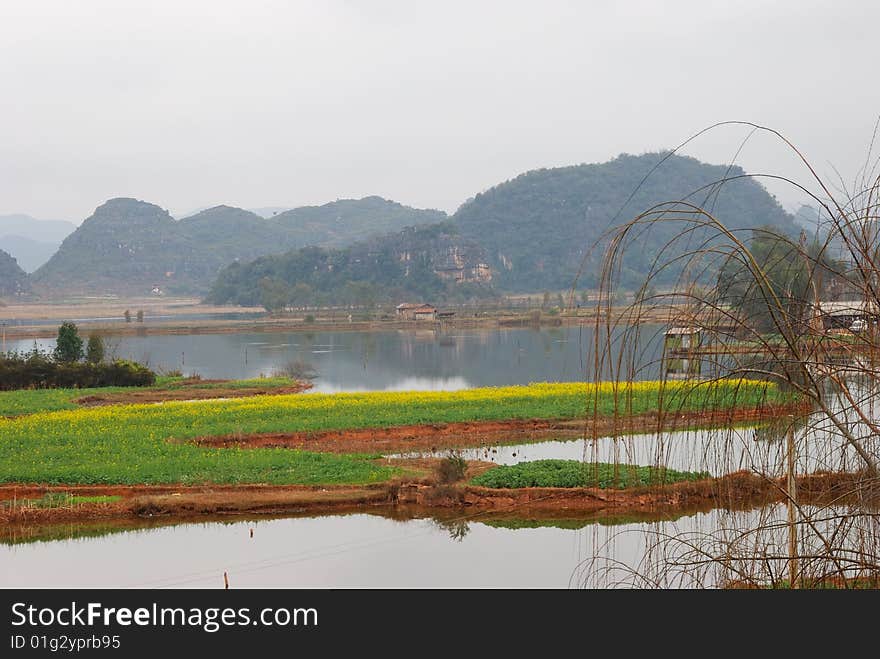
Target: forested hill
(13, 280)
(346, 221)
(428, 263)
(129, 246)
(537, 227)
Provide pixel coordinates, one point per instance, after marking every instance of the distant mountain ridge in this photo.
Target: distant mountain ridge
(534, 230)
(48, 231)
(539, 226)
(130, 246)
(31, 254)
(32, 242)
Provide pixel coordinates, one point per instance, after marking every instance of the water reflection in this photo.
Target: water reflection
(368, 361)
(457, 549)
(357, 550)
(719, 451)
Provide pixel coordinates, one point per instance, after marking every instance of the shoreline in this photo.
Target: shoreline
(738, 490)
(288, 325)
(475, 434)
(106, 319)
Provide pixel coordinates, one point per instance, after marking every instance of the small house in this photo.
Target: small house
(845, 313)
(416, 311)
(678, 346)
(681, 338)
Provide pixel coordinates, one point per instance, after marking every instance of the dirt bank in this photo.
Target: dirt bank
(160, 318)
(92, 308)
(435, 437)
(185, 392)
(738, 490)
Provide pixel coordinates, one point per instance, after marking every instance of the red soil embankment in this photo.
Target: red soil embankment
(433, 437)
(739, 490)
(185, 392)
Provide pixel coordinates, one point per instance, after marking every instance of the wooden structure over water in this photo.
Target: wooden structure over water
(680, 346)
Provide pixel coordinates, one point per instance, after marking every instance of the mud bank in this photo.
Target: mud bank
(739, 490)
(137, 395)
(434, 437)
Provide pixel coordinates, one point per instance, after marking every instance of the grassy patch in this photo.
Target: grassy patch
(572, 473)
(31, 401)
(60, 500)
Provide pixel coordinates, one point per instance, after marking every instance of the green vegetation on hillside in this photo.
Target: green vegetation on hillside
(343, 222)
(534, 231)
(129, 246)
(13, 280)
(539, 226)
(394, 267)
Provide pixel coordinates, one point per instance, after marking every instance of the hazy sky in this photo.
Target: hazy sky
(193, 103)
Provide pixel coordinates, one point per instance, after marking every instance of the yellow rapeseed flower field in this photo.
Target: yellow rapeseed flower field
(147, 443)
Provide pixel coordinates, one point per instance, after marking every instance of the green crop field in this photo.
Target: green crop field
(148, 443)
(572, 473)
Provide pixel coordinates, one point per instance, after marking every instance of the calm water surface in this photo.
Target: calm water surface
(372, 551)
(345, 551)
(392, 360)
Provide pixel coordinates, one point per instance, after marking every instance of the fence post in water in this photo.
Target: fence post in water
(792, 505)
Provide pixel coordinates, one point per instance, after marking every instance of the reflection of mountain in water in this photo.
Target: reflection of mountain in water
(359, 361)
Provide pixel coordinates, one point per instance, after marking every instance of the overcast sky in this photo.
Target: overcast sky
(193, 103)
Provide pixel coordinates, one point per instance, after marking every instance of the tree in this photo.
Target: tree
(140, 315)
(127, 315)
(274, 294)
(95, 349)
(787, 272)
(69, 345)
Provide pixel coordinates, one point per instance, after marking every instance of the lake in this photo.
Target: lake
(387, 360)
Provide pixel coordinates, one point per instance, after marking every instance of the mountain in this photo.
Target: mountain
(32, 241)
(45, 231)
(13, 280)
(31, 254)
(132, 247)
(431, 262)
(269, 211)
(342, 222)
(125, 245)
(538, 227)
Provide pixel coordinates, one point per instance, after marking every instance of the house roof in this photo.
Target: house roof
(847, 307)
(678, 331)
(410, 306)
